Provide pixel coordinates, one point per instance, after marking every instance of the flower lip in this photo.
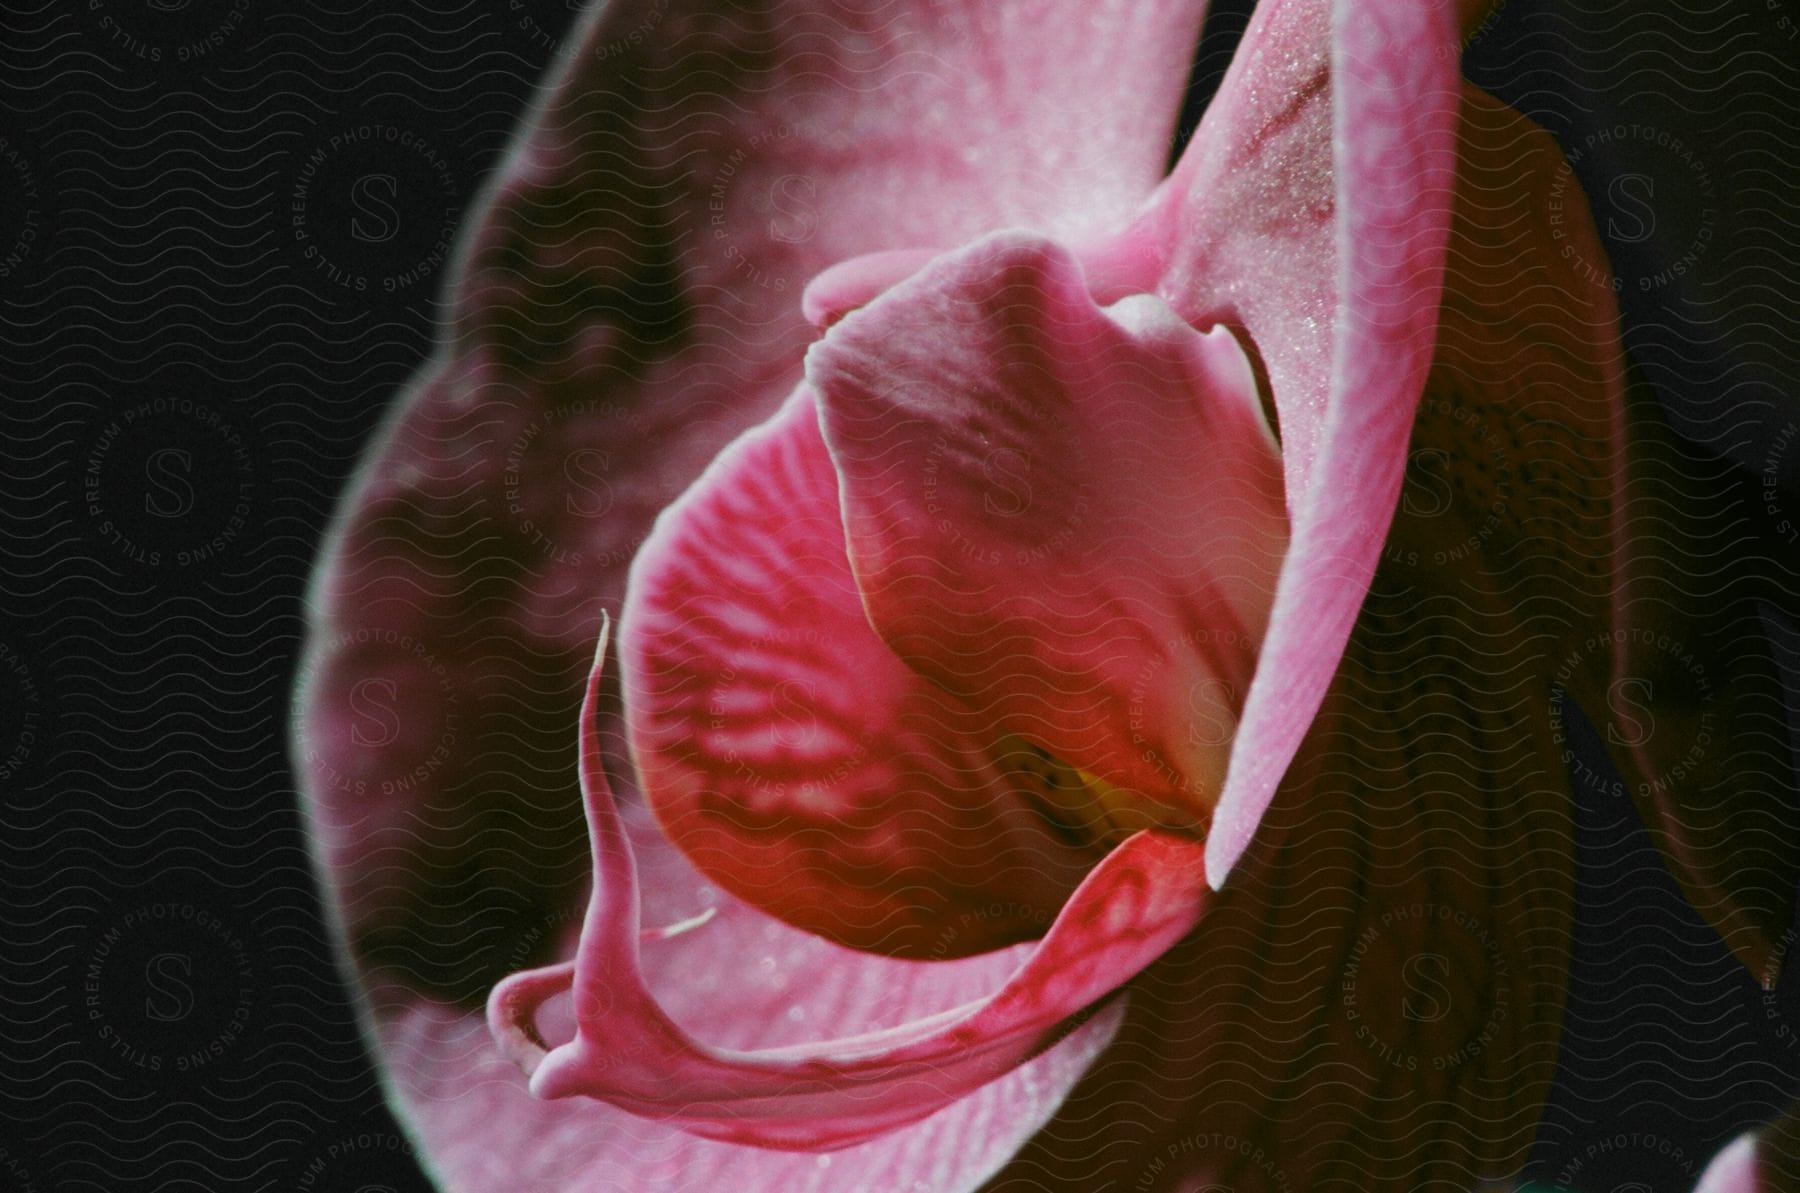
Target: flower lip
(1138, 901)
(1056, 609)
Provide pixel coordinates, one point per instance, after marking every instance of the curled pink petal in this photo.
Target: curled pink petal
(624, 307)
(742, 980)
(1313, 209)
(1070, 515)
(1394, 104)
(628, 1052)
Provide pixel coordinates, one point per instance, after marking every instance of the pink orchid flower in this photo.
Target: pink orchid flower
(1041, 745)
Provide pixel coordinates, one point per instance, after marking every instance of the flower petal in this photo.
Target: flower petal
(851, 284)
(1071, 516)
(482, 1131)
(1680, 682)
(627, 1050)
(1684, 684)
(792, 756)
(1314, 207)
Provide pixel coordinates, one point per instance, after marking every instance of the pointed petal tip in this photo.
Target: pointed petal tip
(1346, 424)
(1223, 848)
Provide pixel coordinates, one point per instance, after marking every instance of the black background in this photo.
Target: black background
(154, 687)
(184, 391)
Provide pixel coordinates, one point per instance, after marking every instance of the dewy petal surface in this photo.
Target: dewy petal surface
(1069, 515)
(1312, 209)
(627, 1051)
(612, 329)
(793, 756)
